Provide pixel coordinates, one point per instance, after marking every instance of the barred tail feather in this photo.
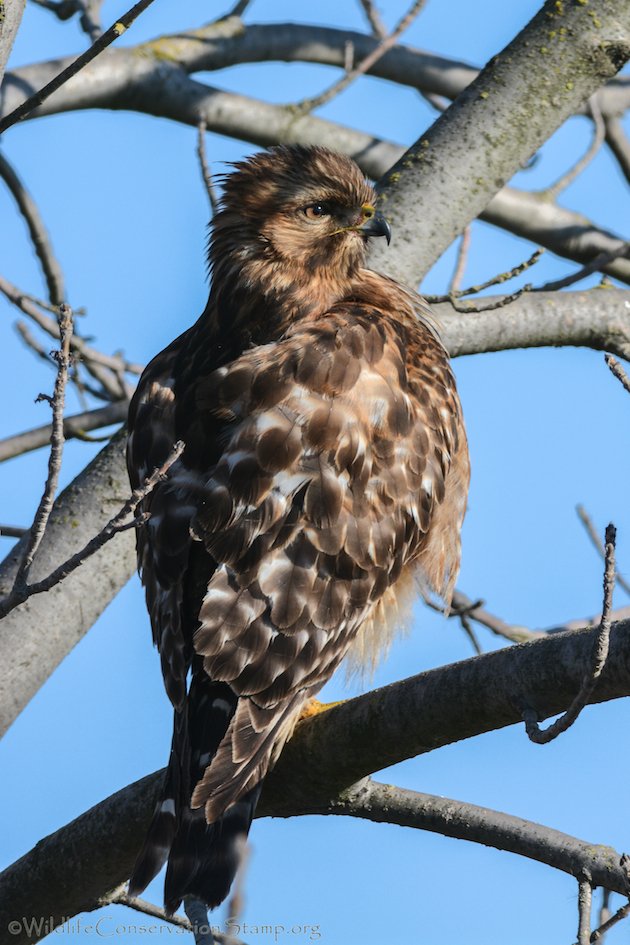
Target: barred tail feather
(252, 743)
(202, 858)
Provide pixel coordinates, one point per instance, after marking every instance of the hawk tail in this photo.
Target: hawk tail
(202, 858)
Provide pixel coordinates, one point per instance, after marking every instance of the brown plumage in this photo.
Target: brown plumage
(325, 465)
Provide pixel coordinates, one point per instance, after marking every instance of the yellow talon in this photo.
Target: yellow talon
(314, 707)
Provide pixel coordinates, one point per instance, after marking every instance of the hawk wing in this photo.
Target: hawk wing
(314, 472)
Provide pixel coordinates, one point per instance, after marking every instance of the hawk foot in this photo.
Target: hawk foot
(314, 707)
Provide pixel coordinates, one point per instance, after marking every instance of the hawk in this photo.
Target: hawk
(325, 468)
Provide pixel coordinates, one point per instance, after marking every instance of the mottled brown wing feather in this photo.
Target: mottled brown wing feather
(324, 492)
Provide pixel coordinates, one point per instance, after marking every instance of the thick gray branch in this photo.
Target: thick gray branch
(565, 232)
(10, 18)
(75, 426)
(230, 42)
(519, 99)
(332, 752)
(383, 803)
(124, 79)
(597, 318)
(27, 655)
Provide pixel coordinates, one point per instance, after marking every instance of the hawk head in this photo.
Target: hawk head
(300, 214)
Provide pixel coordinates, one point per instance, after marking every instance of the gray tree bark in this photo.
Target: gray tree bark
(37, 635)
(10, 18)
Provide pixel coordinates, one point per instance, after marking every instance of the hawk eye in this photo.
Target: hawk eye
(315, 210)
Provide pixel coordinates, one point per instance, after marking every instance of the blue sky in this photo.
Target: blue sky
(123, 199)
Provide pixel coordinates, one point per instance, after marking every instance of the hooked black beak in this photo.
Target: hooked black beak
(377, 225)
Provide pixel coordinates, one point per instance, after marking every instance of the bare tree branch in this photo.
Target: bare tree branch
(618, 371)
(336, 749)
(596, 541)
(229, 42)
(27, 655)
(364, 66)
(598, 264)
(205, 170)
(40, 521)
(384, 803)
(12, 531)
(122, 521)
(75, 426)
(573, 173)
(603, 915)
(619, 145)
(119, 897)
(460, 265)
(585, 900)
(598, 934)
(197, 913)
(564, 232)
(374, 19)
(495, 280)
(124, 80)
(9, 25)
(462, 604)
(499, 119)
(108, 370)
(89, 18)
(105, 40)
(37, 231)
(595, 318)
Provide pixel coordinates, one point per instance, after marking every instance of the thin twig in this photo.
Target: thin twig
(462, 605)
(37, 232)
(197, 914)
(585, 901)
(205, 170)
(618, 371)
(598, 659)
(603, 916)
(239, 8)
(89, 19)
(65, 9)
(119, 897)
(596, 541)
(56, 450)
(470, 633)
(108, 370)
(309, 104)
(595, 265)
(374, 19)
(467, 308)
(436, 101)
(460, 265)
(598, 934)
(599, 134)
(236, 904)
(619, 145)
(122, 521)
(495, 280)
(348, 56)
(76, 426)
(108, 37)
(12, 531)
(31, 342)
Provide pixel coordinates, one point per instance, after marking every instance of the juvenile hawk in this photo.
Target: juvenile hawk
(325, 463)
